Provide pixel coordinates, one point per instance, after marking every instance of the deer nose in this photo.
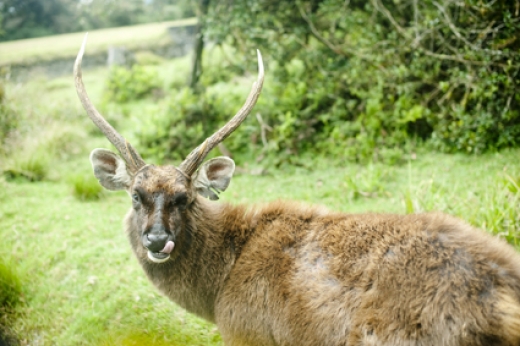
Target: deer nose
(155, 239)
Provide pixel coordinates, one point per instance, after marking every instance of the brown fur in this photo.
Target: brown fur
(286, 274)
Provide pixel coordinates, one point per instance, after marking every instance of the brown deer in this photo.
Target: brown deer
(285, 274)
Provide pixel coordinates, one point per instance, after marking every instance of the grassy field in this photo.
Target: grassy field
(80, 282)
(66, 45)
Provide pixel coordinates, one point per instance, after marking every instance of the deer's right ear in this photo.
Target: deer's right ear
(110, 169)
(213, 177)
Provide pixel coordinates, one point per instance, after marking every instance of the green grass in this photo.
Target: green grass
(10, 286)
(67, 45)
(85, 186)
(33, 166)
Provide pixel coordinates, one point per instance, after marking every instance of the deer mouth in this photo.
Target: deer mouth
(163, 255)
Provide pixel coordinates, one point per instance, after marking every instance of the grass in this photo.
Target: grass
(67, 45)
(80, 282)
(33, 167)
(10, 286)
(85, 187)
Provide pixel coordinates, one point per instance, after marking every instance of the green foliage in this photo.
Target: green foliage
(173, 129)
(130, 84)
(182, 120)
(10, 287)
(512, 183)
(34, 18)
(497, 213)
(145, 57)
(8, 118)
(32, 166)
(10, 298)
(370, 183)
(365, 80)
(8, 122)
(85, 187)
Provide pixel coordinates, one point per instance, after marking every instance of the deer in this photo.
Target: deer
(286, 273)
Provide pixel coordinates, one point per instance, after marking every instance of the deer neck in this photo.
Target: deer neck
(214, 235)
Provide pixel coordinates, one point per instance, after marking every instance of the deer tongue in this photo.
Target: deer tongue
(168, 248)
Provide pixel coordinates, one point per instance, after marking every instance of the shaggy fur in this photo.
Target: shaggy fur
(285, 274)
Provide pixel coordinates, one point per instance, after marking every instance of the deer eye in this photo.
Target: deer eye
(180, 200)
(135, 198)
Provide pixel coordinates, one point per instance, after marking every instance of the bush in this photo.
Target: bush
(10, 287)
(85, 187)
(9, 118)
(146, 57)
(130, 84)
(354, 79)
(32, 166)
(10, 297)
(178, 126)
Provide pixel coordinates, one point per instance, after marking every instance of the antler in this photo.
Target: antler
(128, 153)
(195, 158)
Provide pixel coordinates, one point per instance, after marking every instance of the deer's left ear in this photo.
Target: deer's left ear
(213, 177)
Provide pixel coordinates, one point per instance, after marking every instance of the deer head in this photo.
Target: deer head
(160, 195)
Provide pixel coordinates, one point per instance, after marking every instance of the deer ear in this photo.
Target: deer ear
(213, 177)
(110, 169)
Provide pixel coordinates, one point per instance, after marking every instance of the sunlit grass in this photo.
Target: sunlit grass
(11, 296)
(67, 45)
(10, 286)
(32, 166)
(85, 186)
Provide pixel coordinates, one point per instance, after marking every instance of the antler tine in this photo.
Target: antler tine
(128, 153)
(195, 158)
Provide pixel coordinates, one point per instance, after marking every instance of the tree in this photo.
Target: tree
(33, 18)
(375, 74)
(196, 68)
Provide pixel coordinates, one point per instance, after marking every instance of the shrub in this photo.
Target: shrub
(130, 84)
(85, 187)
(9, 118)
(370, 184)
(353, 78)
(10, 297)
(31, 166)
(146, 57)
(175, 127)
(10, 286)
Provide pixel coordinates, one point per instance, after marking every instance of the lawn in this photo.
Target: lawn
(63, 46)
(80, 282)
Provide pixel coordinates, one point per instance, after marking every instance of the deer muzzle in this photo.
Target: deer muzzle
(159, 243)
